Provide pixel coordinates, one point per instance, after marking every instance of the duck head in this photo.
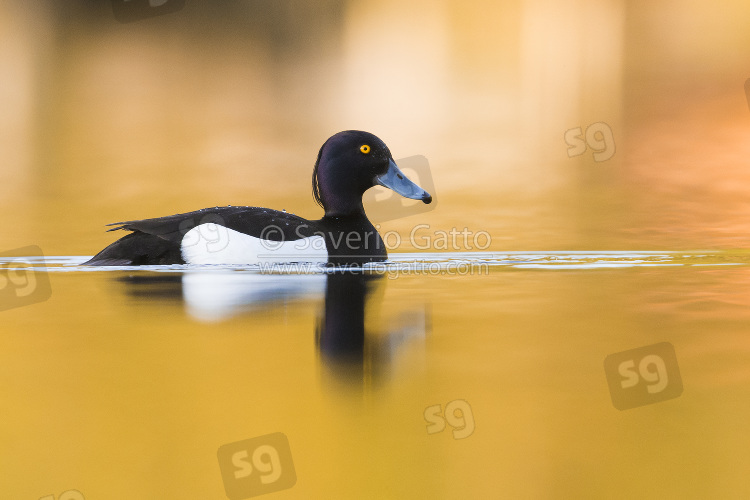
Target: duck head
(351, 162)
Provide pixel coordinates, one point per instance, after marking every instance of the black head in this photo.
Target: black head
(351, 162)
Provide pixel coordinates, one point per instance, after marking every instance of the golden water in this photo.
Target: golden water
(123, 384)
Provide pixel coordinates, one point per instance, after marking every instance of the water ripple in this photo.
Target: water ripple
(406, 262)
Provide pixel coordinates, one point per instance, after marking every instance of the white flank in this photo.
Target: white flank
(215, 244)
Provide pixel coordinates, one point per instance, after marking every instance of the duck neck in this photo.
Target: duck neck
(352, 239)
(345, 207)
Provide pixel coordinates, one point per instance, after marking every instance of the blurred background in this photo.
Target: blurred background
(228, 102)
(579, 125)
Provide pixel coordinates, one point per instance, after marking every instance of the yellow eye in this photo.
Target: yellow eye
(365, 149)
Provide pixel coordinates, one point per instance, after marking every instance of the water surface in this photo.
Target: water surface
(126, 381)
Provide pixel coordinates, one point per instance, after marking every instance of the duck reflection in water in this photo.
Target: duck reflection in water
(357, 343)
